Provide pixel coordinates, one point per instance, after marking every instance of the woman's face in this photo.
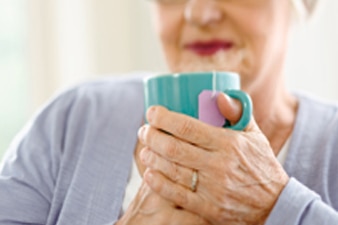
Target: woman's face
(245, 36)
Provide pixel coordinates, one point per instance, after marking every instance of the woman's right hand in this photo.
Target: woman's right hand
(150, 208)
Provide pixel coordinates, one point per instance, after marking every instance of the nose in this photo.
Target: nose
(202, 12)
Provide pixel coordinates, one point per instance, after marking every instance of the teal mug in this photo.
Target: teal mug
(194, 94)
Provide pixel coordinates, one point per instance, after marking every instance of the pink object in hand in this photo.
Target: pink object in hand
(208, 110)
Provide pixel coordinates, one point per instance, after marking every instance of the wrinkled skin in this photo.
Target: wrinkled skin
(150, 208)
(240, 178)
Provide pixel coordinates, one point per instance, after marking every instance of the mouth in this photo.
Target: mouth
(209, 48)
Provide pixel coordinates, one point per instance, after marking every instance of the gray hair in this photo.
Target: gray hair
(304, 8)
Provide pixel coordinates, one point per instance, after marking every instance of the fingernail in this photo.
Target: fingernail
(140, 132)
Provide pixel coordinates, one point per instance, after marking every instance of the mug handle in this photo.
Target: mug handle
(246, 102)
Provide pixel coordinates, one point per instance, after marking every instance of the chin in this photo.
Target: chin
(220, 61)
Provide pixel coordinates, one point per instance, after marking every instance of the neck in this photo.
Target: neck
(274, 111)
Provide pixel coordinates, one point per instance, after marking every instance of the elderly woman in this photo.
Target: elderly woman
(81, 161)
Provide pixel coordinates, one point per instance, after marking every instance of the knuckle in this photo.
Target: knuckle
(159, 187)
(237, 140)
(181, 198)
(185, 128)
(208, 142)
(152, 159)
(177, 196)
(165, 190)
(174, 172)
(172, 149)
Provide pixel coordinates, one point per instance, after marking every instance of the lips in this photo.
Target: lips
(210, 47)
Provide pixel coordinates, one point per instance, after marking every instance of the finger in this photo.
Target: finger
(185, 127)
(174, 172)
(230, 108)
(177, 194)
(173, 149)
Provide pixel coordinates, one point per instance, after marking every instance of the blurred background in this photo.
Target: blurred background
(49, 45)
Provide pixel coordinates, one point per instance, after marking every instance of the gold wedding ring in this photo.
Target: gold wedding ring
(194, 181)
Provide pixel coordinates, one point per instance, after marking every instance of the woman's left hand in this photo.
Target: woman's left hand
(239, 177)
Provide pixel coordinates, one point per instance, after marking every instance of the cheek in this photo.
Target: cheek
(168, 26)
(265, 35)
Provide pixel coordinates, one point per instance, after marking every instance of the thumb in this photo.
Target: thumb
(232, 110)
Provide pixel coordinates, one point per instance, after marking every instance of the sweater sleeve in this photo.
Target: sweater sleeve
(71, 163)
(30, 167)
(298, 205)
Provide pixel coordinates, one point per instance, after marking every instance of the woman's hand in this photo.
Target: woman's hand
(239, 178)
(150, 208)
